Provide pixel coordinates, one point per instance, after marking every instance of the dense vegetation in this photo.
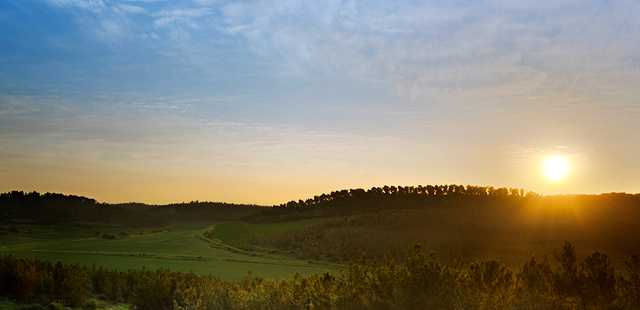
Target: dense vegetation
(469, 228)
(376, 196)
(52, 208)
(415, 197)
(457, 222)
(418, 281)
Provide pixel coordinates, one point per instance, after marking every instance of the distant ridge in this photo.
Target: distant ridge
(19, 206)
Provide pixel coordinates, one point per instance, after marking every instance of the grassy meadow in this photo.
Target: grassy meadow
(185, 248)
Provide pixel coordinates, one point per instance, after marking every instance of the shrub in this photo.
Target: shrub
(597, 279)
(55, 306)
(108, 236)
(629, 286)
(419, 281)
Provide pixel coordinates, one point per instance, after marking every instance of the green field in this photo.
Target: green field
(249, 235)
(6, 304)
(185, 248)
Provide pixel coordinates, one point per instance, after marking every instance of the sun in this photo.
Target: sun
(556, 168)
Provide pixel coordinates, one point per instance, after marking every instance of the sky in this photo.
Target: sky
(267, 101)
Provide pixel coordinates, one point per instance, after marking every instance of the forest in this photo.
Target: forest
(53, 208)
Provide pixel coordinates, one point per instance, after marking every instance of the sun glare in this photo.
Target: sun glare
(556, 168)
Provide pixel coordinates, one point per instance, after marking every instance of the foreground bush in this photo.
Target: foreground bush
(417, 282)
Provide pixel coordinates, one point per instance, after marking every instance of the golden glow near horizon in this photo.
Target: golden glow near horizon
(556, 168)
(301, 106)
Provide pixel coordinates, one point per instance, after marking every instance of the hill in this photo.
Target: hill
(54, 208)
(481, 248)
(456, 222)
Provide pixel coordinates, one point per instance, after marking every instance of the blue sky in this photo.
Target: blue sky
(266, 101)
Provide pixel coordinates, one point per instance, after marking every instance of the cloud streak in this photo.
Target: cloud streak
(433, 48)
(419, 49)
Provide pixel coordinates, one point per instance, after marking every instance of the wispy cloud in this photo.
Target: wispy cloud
(434, 48)
(166, 17)
(95, 6)
(128, 8)
(12, 105)
(429, 47)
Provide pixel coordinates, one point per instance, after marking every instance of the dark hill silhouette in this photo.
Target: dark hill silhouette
(394, 197)
(55, 207)
(18, 206)
(454, 221)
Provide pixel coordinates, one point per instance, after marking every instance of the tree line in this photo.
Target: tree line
(54, 208)
(414, 193)
(350, 201)
(418, 281)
